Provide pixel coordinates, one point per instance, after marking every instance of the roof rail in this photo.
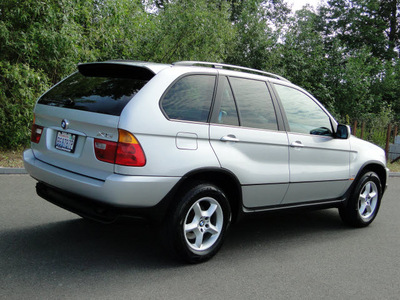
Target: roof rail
(226, 66)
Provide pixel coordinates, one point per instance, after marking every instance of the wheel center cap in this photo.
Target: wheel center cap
(201, 223)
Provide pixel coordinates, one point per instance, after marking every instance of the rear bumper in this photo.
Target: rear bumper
(119, 191)
(98, 211)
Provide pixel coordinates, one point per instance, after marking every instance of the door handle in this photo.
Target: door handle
(229, 138)
(297, 144)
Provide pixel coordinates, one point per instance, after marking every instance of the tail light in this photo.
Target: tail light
(129, 151)
(36, 132)
(126, 152)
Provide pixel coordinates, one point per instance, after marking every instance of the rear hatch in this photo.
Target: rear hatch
(84, 107)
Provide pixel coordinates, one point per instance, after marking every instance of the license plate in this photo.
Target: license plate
(65, 141)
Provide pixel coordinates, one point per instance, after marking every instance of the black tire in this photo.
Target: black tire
(205, 209)
(364, 202)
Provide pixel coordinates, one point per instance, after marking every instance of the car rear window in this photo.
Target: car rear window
(99, 92)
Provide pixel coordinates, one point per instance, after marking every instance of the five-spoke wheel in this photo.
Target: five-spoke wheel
(363, 204)
(203, 224)
(197, 224)
(368, 200)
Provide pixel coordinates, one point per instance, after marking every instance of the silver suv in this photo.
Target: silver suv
(194, 146)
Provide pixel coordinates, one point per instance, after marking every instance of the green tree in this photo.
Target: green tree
(117, 29)
(40, 43)
(190, 30)
(368, 34)
(43, 41)
(303, 58)
(346, 53)
(45, 35)
(366, 23)
(258, 26)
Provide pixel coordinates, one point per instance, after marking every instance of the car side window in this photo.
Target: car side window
(227, 113)
(190, 98)
(303, 114)
(254, 102)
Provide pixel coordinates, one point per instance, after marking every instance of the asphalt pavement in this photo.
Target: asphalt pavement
(49, 253)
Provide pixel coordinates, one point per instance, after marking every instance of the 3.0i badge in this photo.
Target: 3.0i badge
(64, 124)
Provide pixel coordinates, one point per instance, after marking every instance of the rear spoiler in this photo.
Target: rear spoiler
(115, 70)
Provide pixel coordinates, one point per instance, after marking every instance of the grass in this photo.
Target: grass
(13, 159)
(395, 167)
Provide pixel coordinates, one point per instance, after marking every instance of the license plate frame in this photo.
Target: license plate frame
(65, 141)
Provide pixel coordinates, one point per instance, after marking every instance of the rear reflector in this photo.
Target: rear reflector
(36, 133)
(105, 150)
(127, 152)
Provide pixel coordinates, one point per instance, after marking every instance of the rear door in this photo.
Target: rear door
(245, 136)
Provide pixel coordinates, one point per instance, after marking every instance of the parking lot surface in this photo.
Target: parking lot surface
(49, 253)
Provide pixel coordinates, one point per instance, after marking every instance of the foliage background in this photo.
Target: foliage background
(345, 53)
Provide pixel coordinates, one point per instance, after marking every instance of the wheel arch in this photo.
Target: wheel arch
(351, 212)
(379, 169)
(222, 178)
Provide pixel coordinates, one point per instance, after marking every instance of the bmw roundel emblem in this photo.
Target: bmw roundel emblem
(64, 124)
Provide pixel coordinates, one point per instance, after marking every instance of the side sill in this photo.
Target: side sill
(305, 205)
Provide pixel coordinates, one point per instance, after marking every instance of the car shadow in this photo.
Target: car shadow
(278, 230)
(78, 244)
(84, 244)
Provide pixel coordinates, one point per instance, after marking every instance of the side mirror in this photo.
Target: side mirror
(343, 132)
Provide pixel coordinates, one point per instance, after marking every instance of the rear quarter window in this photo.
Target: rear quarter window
(189, 98)
(105, 95)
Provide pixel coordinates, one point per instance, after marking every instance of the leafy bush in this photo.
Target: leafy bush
(20, 86)
(375, 126)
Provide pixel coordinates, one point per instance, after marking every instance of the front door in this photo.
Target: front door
(318, 162)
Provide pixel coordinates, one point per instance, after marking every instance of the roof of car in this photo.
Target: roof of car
(155, 68)
(229, 67)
